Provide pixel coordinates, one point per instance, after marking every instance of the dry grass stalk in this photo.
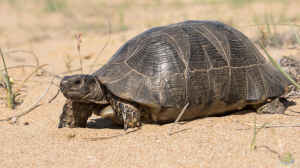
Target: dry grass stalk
(30, 52)
(30, 75)
(34, 66)
(68, 62)
(255, 132)
(78, 47)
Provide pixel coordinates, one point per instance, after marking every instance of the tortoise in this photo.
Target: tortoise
(204, 67)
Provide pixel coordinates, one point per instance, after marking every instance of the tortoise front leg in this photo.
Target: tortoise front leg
(73, 115)
(126, 114)
(76, 114)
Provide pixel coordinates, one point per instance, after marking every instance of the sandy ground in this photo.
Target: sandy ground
(35, 141)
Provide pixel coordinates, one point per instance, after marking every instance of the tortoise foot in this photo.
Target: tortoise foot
(275, 106)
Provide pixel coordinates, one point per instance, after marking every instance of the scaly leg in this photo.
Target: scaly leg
(76, 114)
(126, 114)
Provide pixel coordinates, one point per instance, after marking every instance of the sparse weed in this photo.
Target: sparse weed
(8, 84)
(297, 37)
(268, 35)
(123, 26)
(232, 2)
(55, 5)
(235, 3)
(177, 3)
(12, 2)
(276, 65)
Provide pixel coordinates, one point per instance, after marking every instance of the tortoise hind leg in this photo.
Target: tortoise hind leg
(275, 106)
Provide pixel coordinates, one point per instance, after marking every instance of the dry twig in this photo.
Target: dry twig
(34, 66)
(28, 52)
(78, 46)
(30, 75)
(54, 97)
(32, 107)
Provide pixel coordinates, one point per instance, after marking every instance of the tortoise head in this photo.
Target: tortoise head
(82, 88)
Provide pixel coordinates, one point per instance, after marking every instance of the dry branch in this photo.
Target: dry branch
(78, 47)
(30, 108)
(28, 52)
(54, 97)
(30, 75)
(34, 66)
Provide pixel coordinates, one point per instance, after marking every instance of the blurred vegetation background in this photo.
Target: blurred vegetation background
(38, 20)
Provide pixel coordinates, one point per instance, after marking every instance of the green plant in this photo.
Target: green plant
(5, 77)
(54, 5)
(123, 26)
(256, 130)
(276, 65)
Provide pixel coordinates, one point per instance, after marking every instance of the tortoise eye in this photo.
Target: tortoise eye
(77, 82)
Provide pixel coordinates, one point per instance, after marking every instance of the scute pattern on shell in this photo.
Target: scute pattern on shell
(201, 62)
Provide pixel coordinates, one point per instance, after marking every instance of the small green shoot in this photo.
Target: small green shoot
(286, 158)
(54, 5)
(123, 26)
(255, 132)
(10, 94)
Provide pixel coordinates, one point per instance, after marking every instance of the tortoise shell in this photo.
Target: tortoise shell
(196, 62)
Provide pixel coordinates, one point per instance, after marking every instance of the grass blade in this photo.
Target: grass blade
(10, 94)
(297, 37)
(279, 67)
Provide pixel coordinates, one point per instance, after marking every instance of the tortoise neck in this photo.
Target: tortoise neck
(99, 92)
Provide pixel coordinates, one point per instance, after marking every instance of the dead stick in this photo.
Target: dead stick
(30, 75)
(171, 132)
(32, 107)
(54, 97)
(273, 126)
(34, 66)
